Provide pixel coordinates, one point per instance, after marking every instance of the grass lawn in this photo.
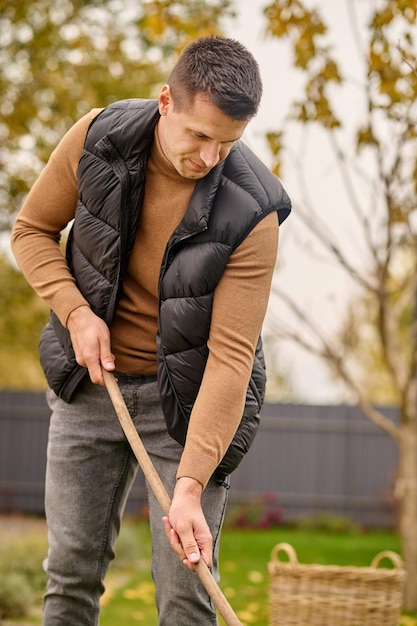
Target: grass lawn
(244, 579)
(129, 596)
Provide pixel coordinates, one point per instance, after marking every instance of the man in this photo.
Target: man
(165, 282)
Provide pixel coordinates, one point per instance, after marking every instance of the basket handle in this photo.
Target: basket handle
(387, 554)
(288, 549)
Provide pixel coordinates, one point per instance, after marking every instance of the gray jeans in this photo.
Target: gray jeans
(90, 470)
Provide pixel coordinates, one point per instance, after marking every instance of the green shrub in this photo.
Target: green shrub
(22, 579)
(262, 512)
(133, 544)
(327, 522)
(16, 596)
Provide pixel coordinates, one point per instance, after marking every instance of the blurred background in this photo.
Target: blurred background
(338, 125)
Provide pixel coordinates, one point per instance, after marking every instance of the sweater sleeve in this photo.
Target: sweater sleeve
(239, 308)
(47, 210)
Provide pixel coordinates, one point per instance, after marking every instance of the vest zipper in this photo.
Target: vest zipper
(168, 251)
(164, 263)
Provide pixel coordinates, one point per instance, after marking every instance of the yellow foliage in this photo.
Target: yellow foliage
(60, 59)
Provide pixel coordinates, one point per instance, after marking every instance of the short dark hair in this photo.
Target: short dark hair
(224, 70)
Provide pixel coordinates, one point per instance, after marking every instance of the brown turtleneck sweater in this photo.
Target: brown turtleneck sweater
(239, 305)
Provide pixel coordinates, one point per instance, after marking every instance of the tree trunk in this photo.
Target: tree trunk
(406, 494)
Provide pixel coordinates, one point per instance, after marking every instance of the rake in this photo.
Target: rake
(219, 600)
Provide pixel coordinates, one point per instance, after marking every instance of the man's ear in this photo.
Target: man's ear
(165, 100)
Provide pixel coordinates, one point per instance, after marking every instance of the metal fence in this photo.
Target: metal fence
(314, 459)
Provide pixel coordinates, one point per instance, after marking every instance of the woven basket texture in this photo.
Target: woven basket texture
(330, 595)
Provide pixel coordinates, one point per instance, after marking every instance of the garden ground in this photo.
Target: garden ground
(129, 596)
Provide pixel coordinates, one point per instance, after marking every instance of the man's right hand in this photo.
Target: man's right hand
(90, 338)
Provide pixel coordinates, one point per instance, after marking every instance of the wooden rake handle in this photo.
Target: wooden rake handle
(161, 495)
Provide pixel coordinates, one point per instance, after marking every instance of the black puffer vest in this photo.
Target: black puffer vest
(226, 205)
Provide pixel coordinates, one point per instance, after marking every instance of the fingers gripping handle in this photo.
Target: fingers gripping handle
(161, 495)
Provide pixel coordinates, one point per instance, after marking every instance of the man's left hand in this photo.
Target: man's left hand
(186, 526)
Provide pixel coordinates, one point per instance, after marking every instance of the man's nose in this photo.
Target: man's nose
(210, 154)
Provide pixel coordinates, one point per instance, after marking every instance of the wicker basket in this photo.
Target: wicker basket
(330, 595)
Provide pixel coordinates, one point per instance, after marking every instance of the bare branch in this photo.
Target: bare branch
(349, 187)
(406, 61)
(316, 225)
(329, 353)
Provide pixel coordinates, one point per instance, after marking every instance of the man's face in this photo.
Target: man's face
(197, 137)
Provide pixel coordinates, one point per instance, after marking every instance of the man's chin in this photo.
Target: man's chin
(192, 174)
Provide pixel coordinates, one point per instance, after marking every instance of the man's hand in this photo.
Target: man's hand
(186, 526)
(90, 338)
